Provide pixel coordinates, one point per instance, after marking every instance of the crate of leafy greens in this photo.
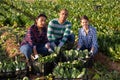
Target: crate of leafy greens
(67, 70)
(45, 64)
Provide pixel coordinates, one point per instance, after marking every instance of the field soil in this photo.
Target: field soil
(103, 59)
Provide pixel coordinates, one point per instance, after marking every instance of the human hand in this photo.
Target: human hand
(77, 49)
(57, 49)
(50, 50)
(90, 54)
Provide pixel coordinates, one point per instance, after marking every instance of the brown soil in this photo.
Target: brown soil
(107, 62)
(11, 47)
(9, 44)
(33, 77)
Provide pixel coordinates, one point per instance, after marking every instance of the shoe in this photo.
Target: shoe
(50, 50)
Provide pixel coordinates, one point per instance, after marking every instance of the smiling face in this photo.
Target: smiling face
(84, 23)
(41, 22)
(63, 16)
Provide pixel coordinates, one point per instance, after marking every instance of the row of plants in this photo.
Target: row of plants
(17, 16)
(10, 65)
(9, 40)
(75, 67)
(104, 15)
(12, 68)
(71, 67)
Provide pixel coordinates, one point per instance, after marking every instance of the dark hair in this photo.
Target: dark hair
(84, 17)
(40, 15)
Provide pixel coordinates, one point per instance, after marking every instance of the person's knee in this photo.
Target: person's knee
(71, 38)
(26, 50)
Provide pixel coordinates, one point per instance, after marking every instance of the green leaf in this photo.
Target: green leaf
(96, 77)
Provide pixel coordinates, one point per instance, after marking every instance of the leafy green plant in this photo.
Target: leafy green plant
(67, 70)
(16, 16)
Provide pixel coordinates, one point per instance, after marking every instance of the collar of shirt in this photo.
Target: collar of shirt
(83, 31)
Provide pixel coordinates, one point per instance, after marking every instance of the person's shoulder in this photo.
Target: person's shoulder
(80, 29)
(68, 22)
(33, 27)
(92, 28)
(53, 21)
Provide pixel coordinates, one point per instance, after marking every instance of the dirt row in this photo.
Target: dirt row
(100, 57)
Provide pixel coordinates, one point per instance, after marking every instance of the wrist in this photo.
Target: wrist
(34, 47)
(78, 48)
(61, 44)
(53, 44)
(91, 51)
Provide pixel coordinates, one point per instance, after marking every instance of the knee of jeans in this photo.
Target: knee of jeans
(26, 50)
(43, 51)
(71, 38)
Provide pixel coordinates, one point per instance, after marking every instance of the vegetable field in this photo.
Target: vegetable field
(17, 15)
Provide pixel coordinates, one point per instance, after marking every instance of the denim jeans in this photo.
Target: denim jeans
(27, 50)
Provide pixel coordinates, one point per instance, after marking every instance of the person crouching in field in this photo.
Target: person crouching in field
(35, 40)
(59, 31)
(87, 38)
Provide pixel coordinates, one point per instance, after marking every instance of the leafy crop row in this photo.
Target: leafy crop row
(103, 14)
(17, 15)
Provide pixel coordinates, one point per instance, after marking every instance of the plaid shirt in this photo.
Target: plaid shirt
(34, 37)
(89, 40)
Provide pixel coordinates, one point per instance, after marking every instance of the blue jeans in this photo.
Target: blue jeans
(27, 50)
(94, 52)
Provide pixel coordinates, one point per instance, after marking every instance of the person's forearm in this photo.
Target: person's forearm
(78, 47)
(92, 49)
(34, 50)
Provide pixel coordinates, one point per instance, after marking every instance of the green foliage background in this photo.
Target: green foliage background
(17, 15)
(103, 14)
